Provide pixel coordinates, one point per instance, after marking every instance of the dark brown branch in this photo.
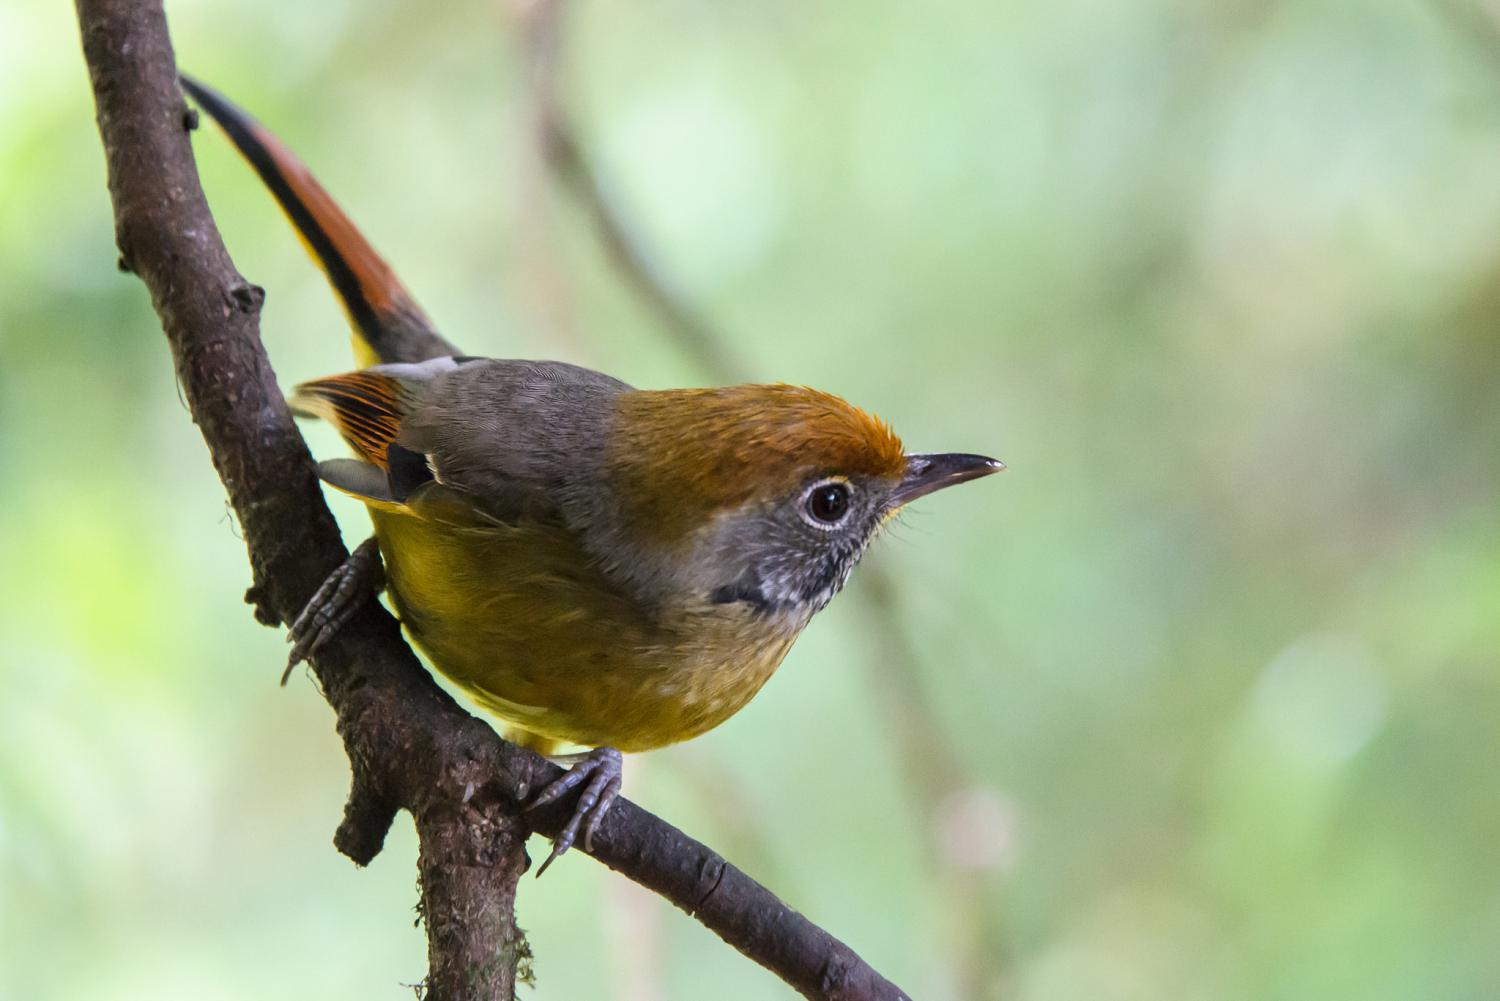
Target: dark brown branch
(410, 746)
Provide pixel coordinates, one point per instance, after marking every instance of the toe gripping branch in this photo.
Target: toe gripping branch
(599, 772)
(359, 577)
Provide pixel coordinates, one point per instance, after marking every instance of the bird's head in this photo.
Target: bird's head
(765, 495)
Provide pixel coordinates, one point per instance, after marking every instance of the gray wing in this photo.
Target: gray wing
(519, 438)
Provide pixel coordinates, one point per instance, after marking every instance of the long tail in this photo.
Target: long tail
(388, 324)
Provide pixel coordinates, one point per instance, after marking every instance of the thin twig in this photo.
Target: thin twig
(542, 25)
(1473, 21)
(411, 746)
(935, 770)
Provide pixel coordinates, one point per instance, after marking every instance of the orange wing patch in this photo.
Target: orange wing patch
(366, 407)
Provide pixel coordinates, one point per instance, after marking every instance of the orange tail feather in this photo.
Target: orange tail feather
(388, 323)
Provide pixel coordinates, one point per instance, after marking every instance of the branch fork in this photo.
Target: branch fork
(410, 746)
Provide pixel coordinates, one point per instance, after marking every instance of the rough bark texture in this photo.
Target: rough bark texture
(410, 746)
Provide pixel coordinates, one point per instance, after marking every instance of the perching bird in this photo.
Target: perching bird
(597, 565)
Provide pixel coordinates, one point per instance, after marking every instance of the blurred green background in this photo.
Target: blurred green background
(1219, 280)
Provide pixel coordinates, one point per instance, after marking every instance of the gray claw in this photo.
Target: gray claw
(600, 774)
(335, 603)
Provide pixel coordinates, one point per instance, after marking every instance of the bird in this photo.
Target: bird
(596, 565)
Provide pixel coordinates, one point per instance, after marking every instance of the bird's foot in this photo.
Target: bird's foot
(336, 601)
(599, 772)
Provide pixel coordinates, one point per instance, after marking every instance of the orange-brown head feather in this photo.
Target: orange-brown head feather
(681, 455)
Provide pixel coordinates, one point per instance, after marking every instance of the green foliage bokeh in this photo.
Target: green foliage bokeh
(1218, 281)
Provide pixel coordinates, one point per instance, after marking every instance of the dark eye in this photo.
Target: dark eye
(828, 502)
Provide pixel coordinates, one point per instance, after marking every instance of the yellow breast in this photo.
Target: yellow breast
(522, 619)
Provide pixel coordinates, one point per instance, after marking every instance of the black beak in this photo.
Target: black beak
(935, 470)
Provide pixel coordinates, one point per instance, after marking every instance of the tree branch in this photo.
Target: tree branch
(410, 745)
(542, 24)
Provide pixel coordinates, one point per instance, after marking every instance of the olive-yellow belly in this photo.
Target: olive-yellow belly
(526, 623)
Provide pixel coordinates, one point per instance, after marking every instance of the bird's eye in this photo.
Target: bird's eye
(828, 502)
